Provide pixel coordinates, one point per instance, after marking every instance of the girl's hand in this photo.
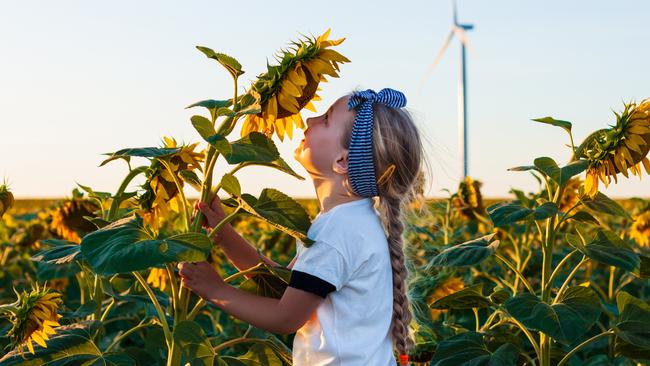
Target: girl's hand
(201, 278)
(212, 213)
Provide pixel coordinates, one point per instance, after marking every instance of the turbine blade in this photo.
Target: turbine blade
(462, 36)
(438, 58)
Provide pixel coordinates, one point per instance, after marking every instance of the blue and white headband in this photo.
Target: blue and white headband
(361, 167)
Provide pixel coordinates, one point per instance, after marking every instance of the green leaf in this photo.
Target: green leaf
(467, 298)
(253, 149)
(143, 152)
(545, 210)
(230, 184)
(203, 126)
(92, 194)
(191, 178)
(59, 255)
(280, 211)
(470, 349)
(604, 204)
(566, 125)
(505, 213)
(194, 343)
(70, 345)
(575, 313)
(584, 216)
(220, 143)
(633, 320)
(212, 106)
(232, 65)
(607, 248)
(560, 175)
(499, 295)
(268, 281)
(466, 254)
(125, 246)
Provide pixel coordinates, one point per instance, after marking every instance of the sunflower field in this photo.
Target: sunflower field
(556, 276)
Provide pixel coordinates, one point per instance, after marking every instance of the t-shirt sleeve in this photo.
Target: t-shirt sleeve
(319, 269)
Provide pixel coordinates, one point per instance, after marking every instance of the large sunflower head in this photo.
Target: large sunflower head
(618, 149)
(68, 220)
(287, 88)
(6, 199)
(160, 190)
(469, 198)
(33, 315)
(640, 230)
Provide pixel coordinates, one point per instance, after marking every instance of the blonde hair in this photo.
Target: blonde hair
(396, 142)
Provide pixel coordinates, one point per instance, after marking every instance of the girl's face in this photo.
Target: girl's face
(320, 152)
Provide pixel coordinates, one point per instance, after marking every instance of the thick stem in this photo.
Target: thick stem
(115, 204)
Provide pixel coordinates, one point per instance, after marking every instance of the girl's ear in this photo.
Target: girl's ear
(340, 164)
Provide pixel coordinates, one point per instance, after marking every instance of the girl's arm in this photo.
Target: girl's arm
(283, 316)
(239, 251)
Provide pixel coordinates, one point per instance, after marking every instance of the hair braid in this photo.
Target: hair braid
(399, 328)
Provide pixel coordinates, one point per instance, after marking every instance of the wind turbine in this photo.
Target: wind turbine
(459, 30)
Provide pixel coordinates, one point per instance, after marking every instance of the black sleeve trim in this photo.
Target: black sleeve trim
(310, 283)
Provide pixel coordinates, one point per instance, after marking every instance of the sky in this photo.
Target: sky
(79, 79)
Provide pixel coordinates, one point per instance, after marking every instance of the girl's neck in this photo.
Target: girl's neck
(331, 192)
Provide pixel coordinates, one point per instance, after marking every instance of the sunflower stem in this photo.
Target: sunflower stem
(568, 356)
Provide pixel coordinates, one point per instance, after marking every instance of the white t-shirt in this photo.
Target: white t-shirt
(351, 263)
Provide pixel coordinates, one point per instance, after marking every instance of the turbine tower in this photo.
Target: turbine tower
(459, 29)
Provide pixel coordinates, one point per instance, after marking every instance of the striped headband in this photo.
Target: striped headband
(361, 167)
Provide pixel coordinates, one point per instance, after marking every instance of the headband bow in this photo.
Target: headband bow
(361, 167)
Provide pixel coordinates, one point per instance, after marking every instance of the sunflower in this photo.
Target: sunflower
(33, 315)
(618, 149)
(571, 194)
(469, 198)
(6, 199)
(448, 287)
(160, 191)
(289, 87)
(158, 278)
(68, 220)
(640, 230)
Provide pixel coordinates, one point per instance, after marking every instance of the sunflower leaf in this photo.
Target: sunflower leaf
(505, 213)
(230, 184)
(143, 152)
(233, 66)
(566, 321)
(279, 210)
(604, 204)
(126, 246)
(468, 253)
(203, 126)
(566, 125)
(467, 298)
(192, 339)
(470, 348)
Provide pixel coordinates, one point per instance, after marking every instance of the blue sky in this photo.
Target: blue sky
(79, 78)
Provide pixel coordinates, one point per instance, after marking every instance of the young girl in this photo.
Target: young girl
(347, 297)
